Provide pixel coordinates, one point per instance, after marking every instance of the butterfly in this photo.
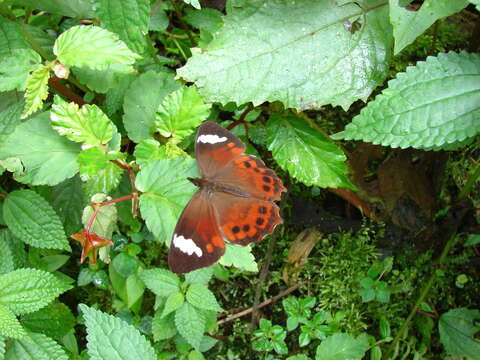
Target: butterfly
(234, 202)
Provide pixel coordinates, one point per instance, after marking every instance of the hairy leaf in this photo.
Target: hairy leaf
(102, 80)
(15, 68)
(47, 157)
(36, 90)
(173, 302)
(8, 263)
(161, 281)
(341, 346)
(88, 125)
(54, 320)
(166, 191)
(9, 119)
(239, 256)
(434, 103)
(142, 100)
(163, 327)
(16, 246)
(200, 276)
(127, 18)
(180, 113)
(91, 161)
(92, 46)
(457, 328)
(35, 347)
(190, 323)
(26, 290)
(110, 338)
(200, 297)
(408, 24)
(12, 37)
(307, 154)
(9, 325)
(262, 53)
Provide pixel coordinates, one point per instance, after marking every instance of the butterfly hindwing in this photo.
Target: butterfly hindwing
(197, 241)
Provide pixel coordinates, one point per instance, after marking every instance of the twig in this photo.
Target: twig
(54, 82)
(353, 199)
(242, 117)
(261, 305)
(131, 175)
(97, 207)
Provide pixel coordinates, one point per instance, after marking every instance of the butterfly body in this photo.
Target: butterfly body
(234, 202)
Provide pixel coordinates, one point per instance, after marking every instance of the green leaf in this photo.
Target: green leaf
(35, 347)
(201, 297)
(174, 302)
(341, 346)
(194, 3)
(27, 290)
(472, 240)
(9, 119)
(239, 256)
(15, 68)
(8, 263)
(91, 161)
(127, 18)
(105, 220)
(180, 113)
(12, 37)
(16, 246)
(88, 125)
(9, 325)
(326, 63)
(307, 154)
(142, 99)
(150, 150)
(115, 96)
(476, 3)
(161, 281)
(457, 328)
(55, 320)
(47, 157)
(33, 220)
(200, 276)
(204, 19)
(93, 47)
(36, 90)
(102, 80)
(105, 180)
(72, 8)
(190, 324)
(163, 327)
(158, 20)
(109, 337)
(434, 103)
(409, 24)
(166, 191)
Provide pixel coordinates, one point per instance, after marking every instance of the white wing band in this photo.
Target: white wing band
(211, 139)
(186, 246)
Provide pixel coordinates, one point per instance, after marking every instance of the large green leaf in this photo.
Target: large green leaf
(341, 346)
(8, 263)
(127, 18)
(161, 281)
(9, 119)
(27, 290)
(47, 157)
(102, 80)
(180, 113)
(110, 338)
(35, 347)
(166, 191)
(36, 89)
(239, 256)
(106, 218)
(54, 320)
(15, 68)
(71, 8)
(457, 328)
(190, 323)
(298, 52)
(408, 24)
(93, 47)
(142, 99)
(202, 298)
(31, 218)
(307, 154)
(12, 37)
(163, 327)
(9, 325)
(434, 103)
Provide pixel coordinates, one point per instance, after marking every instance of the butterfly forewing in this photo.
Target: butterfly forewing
(197, 241)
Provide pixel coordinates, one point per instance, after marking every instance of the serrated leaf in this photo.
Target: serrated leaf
(105, 180)
(54, 320)
(110, 338)
(163, 327)
(341, 346)
(12, 37)
(91, 161)
(102, 80)
(35, 347)
(129, 19)
(326, 63)
(88, 124)
(174, 301)
(150, 150)
(16, 246)
(457, 328)
(141, 102)
(36, 90)
(202, 298)
(47, 157)
(10, 118)
(31, 218)
(8, 262)
(72, 8)
(93, 47)
(307, 154)
(166, 191)
(158, 20)
(239, 256)
(200, 276)
(408, 24)
(115, 96)
(161, 281)
(9, 325)
(434, 103)
(180, 113)
(190, 324)
(26, 290)
(106, 217)
(15, 68)
(204, 19)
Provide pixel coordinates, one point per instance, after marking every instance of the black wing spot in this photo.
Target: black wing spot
(262, 210)
(266, 188)
(267, 179)
(260, 221)
(235, 229)
(246, 227)
(247, 164)
(256, 170)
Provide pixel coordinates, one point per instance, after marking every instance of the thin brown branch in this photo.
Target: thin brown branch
(242, 117)
(131, 175)
(54, 82)
(261, 305)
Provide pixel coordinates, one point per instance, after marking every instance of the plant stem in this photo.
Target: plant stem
(423, 295)
(470, 183)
